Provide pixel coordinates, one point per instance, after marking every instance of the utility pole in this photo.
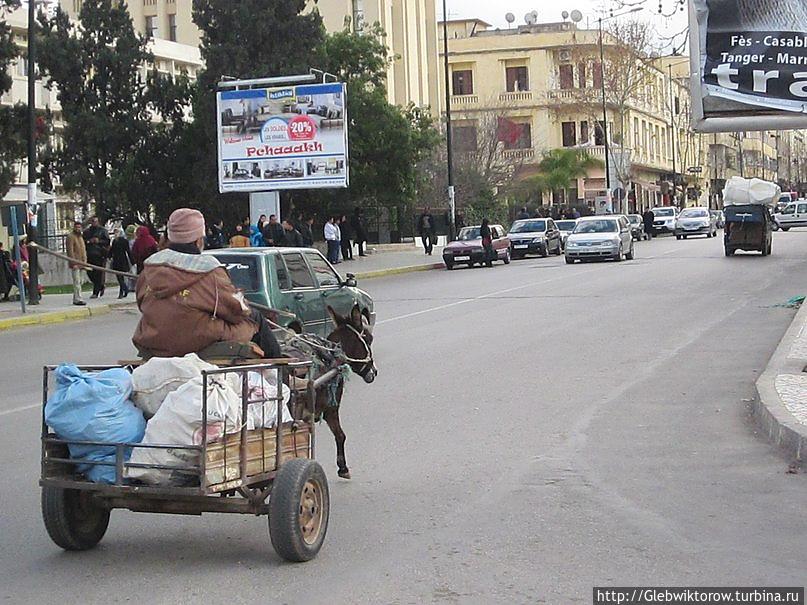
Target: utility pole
(604, 128)
(33, 256)
(672, 135)
(452, 208)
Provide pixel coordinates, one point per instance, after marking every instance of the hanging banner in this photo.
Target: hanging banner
(291, 137)
(749, 64)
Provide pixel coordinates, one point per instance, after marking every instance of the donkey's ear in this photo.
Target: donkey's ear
(356, 317)
(338, 320)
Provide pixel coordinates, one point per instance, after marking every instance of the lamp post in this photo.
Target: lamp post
(604, 128)
(33, 256)
(449, 149)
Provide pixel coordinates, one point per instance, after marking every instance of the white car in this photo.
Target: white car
(600, 237)
(695, 221)
(565, 226)
(664, 219)
(792, 215)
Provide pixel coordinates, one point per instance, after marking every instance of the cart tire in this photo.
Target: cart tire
(73, 520)
(299, 508)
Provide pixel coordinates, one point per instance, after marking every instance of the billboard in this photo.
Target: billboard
(749, 64)
(291, 137)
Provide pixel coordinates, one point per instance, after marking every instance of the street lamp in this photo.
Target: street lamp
(449, 150)
(604, 128)
(33, 256)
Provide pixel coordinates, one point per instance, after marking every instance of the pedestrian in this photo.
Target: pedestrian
(522, 214)
(459, 222)
(359, 226)
(215, 237)
(649, 217)
(131, 233)
(291, 237)
(145, 245)
(307, 232)
(121, 256)
(188, 302)
(255, 237)
(575, 213)
(331, 232)
(273, 232)
(7, 278)
(426, 230)
(344, 242)
(96, 239)
(261, 222)
(487, 242)
(239, 240)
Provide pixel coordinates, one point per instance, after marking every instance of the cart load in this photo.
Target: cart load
(183, 436)
(748, 221)
(740, 191)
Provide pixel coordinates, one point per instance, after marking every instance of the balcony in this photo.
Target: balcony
(464, 100)
(516, 97)
(563, 95)
(519, 154)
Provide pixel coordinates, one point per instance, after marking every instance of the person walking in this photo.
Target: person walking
(359, 226)
(331, 232)
(121, 256)
(145, 245)
(649, 217)
(6, 274)
(96, 239)
(77, 250)
(291, 237)
(426, 230)
(344, 242)
(307, 232)
(239, 240)
(487, 242)
(273, 232)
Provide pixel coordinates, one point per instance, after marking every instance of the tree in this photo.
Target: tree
(12, 119)
(560, 167)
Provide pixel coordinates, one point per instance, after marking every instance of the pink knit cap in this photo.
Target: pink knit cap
(185, 226)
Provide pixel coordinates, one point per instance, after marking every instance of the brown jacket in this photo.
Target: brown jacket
(76, 248)
(188, 303)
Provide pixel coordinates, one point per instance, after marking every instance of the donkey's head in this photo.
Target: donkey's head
(353, 333)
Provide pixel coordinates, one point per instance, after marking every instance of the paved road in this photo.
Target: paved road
(535, 430)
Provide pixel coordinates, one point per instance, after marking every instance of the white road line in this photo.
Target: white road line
(481, 297)
(20, 409)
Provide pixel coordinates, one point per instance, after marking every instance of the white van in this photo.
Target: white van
(793, 214)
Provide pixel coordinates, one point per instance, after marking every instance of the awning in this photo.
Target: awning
(18, 194)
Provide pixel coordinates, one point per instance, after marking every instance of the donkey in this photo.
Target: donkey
(355, 338)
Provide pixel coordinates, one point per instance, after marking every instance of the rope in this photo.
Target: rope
(75, 261)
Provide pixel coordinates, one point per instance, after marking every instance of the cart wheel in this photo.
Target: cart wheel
(299, 508)
(73, 520)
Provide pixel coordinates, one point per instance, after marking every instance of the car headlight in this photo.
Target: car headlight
(608, 242)
(572, 244)
(538, 240)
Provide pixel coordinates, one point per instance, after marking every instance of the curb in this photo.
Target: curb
(780, 426)
(53, 317)
(398, 271)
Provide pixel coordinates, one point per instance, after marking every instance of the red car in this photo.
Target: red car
(468, 250)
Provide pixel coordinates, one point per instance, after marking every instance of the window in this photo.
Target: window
(358, 15)
(172, 28)
(298, 271)
(566, 76)
(322, 270)
(243, 271)
(282, 274)
(583, 132)
(463, 82)
(596, 75)
(464, 138)
(523, 140)
(581, 75)
(151, 27)
(22, 65)
(517, 79)
(494, 233)
(677, 105)
(599, 133)
(569, 134)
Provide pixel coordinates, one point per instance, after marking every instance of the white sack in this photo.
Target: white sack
(178, 421)
(740, 191)
(160, 376)
(265, 388)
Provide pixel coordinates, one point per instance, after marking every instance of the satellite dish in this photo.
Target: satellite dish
(577, 16)
(531, 18)
(510, 18)
(564, 15)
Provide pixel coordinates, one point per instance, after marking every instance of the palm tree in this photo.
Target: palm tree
(559, 167)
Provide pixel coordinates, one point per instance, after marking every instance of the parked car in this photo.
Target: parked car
(535, 236)
(600, 237)
(695, 221)
(792, 215)
(664, 219)
(468, 250)
(565, 226)
(637, 227)
(297, 283)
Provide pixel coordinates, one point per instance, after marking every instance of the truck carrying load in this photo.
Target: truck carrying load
(744, 192)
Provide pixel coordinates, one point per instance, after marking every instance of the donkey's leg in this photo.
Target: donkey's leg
(331, 416)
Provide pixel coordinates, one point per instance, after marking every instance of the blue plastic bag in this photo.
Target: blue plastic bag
(94, 406)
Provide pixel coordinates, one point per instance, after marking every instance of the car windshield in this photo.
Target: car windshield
(243, 270)
(469, 233)
(634, 219)
(566, 225)
(695, 213)
(597, 226)
(528, 226)
(657, 212)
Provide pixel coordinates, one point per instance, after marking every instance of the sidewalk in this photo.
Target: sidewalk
(781, 405)
(57, 308)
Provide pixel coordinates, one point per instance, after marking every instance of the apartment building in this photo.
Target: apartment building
(546, 79)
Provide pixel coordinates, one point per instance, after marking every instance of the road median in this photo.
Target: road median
(42, 318)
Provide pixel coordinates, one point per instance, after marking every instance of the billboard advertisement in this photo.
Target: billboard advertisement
(749, 64)
(290, 137)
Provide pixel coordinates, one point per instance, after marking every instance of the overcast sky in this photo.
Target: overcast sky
(494, 12)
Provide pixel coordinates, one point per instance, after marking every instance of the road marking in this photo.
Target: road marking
(480, 297)
(20, 409)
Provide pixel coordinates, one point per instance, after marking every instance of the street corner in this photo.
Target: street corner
(399, 271)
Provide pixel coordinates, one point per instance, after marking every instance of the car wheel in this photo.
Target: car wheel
(506, 258)
(545, 251)
(630, 255)
(729, 252)
(677, 237)
(559, 250)
(618, 257)
(785, 228)
(569, 261)
(449, 265)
